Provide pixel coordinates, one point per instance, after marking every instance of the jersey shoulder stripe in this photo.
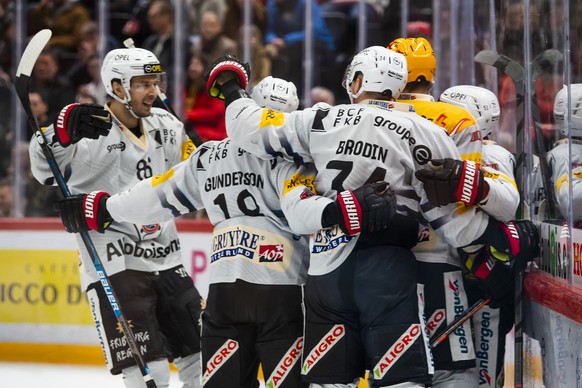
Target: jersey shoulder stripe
(453, 118)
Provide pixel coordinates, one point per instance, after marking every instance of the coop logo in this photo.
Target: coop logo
(271, 253)
(153, 68)
(327, 342)
(396, 351)
(119, 146)
(219, 358)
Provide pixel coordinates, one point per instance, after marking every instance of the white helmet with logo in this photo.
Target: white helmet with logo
(276, 93)
(561, 110)
(382, 70)
(125, 63)
(480, 102)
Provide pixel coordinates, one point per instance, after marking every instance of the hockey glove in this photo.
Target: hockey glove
(517, 242)
(223, 70)
(369, 208)
(76, 121)
(494, 277)
(451, 180)
(85, 211)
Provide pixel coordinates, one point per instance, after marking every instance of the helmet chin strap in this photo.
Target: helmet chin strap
(130, 109)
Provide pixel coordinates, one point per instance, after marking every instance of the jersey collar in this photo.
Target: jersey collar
(416, 96)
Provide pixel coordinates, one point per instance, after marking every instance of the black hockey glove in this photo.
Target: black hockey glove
(494, 277)
(76, 121)
(450, 180)
(85, 211)
(223, 70)
(517, 242)
(367, 209)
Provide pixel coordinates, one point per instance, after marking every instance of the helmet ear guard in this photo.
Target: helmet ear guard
(480, 102)
(382, 71)
(419, 56)
(561, 110)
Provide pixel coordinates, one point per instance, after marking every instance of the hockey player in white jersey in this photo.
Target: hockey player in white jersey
(361, 296)
(258, 261)
(142, 260)
(490, 325)
(559, 162)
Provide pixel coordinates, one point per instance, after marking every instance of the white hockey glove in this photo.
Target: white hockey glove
(84, 212)
(449, 180)
(77, 121)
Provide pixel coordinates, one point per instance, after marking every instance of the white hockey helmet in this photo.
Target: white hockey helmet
(382, 70)
(276, 93)
(125, 63)
(561, 110)
(480, 102)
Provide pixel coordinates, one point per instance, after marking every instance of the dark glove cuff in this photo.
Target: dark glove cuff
(232, 91)
(330, 216)
(493, 236)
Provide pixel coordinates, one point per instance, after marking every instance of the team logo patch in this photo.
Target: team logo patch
(149, 229)
(272, 117)
(271, 253)
(396, 351)
(285, 365)
(219, 358)
(325, 345)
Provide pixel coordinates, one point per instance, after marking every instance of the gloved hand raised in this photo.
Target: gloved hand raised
(223, 70)
(85, 211)
(77, 121)
(450, 180)
(369, 208)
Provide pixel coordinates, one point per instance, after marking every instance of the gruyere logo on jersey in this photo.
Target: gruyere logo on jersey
(272, 117)
(219, 358)
(232, 243)
(396, 351)
(328, 341)
(299, 180)
(328, 239)
(152, 68)
(284, 366)
(271, 253)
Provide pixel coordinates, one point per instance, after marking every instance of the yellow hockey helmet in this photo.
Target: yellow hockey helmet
(419, 57)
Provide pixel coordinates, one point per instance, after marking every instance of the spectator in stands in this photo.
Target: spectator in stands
(322, 94)
(137, 27)
(6, 197)
(94, 87)
(39, 109)
(65, 18)
(234, 18)
(57, 91)
(203, 115)
(286, 34)
(260, 56)
(194, 10)
(214, 43)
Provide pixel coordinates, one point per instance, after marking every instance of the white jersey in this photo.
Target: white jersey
(352, 144)
(114, 163)
(559, 165)
(498, 170)
(245, 198)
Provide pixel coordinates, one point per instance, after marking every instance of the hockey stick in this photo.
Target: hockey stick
(29, 57)
(516, 72)
(550, 57)
(438, 338)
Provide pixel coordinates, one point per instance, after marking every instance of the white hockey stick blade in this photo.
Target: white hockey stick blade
(32, 51)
